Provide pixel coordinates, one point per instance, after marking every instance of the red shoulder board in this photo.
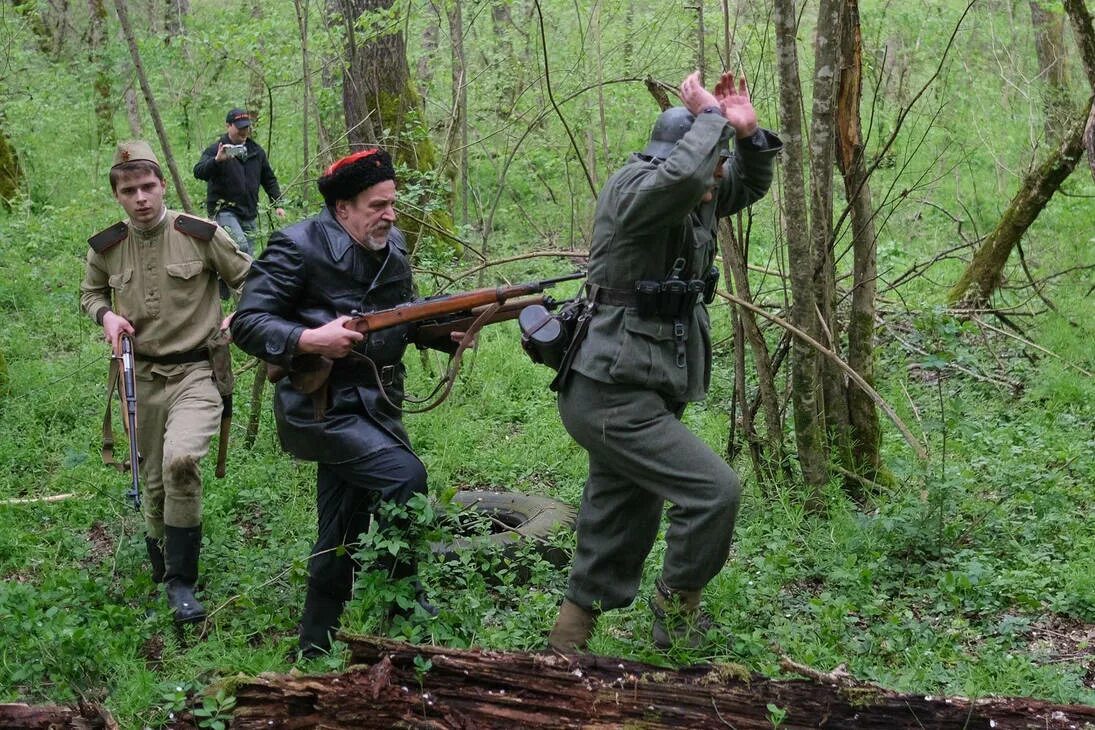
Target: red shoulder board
(195, 227)
(109, 237)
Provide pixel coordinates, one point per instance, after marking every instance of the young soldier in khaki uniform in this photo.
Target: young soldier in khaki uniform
(646, 354)
(154, 277)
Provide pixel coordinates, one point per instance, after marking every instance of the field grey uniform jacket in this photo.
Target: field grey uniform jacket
(647, 216)
(309, 274)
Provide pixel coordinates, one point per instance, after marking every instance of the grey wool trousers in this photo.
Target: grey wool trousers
(640, 457)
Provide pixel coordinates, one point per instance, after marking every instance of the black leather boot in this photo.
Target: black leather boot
(155, 555)
(319, 623)
(182, 545)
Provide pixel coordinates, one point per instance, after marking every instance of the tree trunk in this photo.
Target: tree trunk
(175, 16)
(862, 413)
(822, 144)
(256, 86)
(102, 96)
(87, 716)
(458, 139)
(735, 264)
(805, 385)
(985, 272)
(132, 113)
(1049, 45)
(11, 172)
(306, 74)
(402, 685)
(380, 102)
(154, 112)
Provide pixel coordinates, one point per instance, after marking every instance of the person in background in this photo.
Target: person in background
(233, 168)
(154, 277)
(645, 355)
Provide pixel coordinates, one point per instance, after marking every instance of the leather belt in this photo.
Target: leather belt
(176, 358)
(616, 297)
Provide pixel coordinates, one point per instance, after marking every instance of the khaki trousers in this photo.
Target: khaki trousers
(177, 415)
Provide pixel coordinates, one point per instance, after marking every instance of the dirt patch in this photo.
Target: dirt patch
(1063, 639)
(101, 541)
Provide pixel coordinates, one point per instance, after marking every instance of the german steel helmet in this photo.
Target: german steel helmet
(670, 126)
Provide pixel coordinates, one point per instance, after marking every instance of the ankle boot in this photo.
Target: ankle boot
(572, 629)
(678, 618)
(182, 545)
(319, 623)
(155, 556)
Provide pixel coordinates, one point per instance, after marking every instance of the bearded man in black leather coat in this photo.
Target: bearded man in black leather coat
(311, 276)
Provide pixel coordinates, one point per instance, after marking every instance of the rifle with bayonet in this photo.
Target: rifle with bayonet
(129, 394)
(437, 317)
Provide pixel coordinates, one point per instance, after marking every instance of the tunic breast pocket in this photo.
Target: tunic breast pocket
(118, 282)
(185, 281)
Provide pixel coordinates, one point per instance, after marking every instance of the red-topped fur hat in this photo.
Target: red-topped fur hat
(347, 177)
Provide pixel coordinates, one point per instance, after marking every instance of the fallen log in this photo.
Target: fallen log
(51, 717)
(390, 684)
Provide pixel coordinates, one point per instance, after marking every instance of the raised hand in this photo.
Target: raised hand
(736, 105)
(694, 96)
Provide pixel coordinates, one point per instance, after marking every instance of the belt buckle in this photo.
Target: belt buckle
(387, 375)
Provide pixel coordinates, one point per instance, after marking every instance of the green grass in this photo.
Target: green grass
(971, 575)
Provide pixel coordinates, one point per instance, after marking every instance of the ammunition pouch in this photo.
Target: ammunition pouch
(672, 298)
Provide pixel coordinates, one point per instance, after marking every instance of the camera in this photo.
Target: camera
(239, 151)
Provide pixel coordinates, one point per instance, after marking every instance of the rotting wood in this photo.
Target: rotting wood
(454, 688)
(51, 717)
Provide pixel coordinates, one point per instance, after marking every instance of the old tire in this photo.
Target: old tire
(520, 519)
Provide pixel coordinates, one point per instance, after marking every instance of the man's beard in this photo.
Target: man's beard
(377, 241)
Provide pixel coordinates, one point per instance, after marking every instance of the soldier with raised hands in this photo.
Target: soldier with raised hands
(646, 354)
(154, 277)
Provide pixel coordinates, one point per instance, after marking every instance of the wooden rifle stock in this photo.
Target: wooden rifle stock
(450, 313)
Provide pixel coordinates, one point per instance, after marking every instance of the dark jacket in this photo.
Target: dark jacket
(234, 184)
(309, 274)
(648, 215)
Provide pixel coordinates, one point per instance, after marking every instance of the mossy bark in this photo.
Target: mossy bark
(986, 270)
(11, 172)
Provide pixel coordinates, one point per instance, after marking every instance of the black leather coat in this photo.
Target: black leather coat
(309, 274)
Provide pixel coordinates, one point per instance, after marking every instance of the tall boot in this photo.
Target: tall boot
(319, 622)
(182, 545)
(678, 618)
(155, 556)
(572, 629)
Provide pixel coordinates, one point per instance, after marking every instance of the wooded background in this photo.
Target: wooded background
(903, 338)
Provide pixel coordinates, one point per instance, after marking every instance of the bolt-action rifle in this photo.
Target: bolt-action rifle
(129, 394)
(437, 317)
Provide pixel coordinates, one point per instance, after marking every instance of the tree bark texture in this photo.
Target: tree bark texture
(985, 272)
(862, 413)
(11, 172)
(1049, 46)
(175, 16)
(453, 688)
(101, 93)
(51, 717)
(256, 86)
(301, 8)
(154, 112)
(737, 279)
(805, 367)
(1080, 19)
(822, 145)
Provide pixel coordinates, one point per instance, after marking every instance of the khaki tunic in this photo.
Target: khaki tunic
(164, 282)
